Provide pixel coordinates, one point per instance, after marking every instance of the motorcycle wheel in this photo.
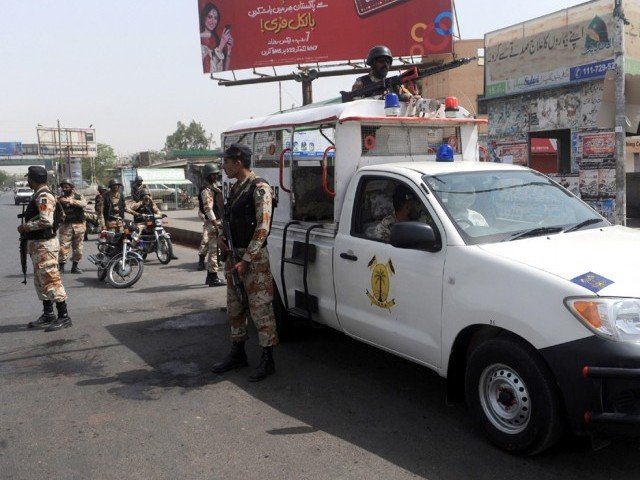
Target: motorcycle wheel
(123, 277)
(102, 273)
(164, 250)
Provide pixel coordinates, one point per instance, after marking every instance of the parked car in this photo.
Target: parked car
(22, 195)
(159, 190)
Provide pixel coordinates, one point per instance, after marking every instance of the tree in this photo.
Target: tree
(104, 164)
(193, 137)
(4, 176)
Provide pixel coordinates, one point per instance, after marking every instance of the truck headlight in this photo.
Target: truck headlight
(613, 318)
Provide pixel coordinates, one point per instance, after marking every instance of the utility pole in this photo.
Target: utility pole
(621, 119)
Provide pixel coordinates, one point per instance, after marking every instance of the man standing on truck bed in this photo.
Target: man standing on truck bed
(248, 211)
(380, 59)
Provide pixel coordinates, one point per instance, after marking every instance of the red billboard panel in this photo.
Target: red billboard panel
(237, 34)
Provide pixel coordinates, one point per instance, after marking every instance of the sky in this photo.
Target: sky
(132, 68)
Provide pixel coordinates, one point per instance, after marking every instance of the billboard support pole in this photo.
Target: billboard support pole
(620, 124)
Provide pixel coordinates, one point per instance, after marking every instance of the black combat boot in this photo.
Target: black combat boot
(213, 280)
(61, 267)
(236, 358)
(75, 268)
(266, 367)
(47, 316)
(201, 262)
(63, 320)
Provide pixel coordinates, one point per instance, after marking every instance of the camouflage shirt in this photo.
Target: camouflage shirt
(46, 203)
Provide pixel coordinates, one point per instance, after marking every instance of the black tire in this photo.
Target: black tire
(119, 278)
(506, 370)
(102, 273)
(164, 250)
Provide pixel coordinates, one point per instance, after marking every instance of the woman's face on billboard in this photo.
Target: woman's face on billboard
(211, 22)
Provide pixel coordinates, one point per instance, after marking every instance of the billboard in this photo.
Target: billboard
(10, 148)
(67, 142)
(242, 34)
(572, 45)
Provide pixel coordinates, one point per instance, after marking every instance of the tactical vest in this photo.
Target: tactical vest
(110, 210)
(243, 216)
(143, 210)
(31, 212)
(136, 194)
(73, 213)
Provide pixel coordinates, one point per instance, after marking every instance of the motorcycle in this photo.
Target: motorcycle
(154, 238)
(117, 260)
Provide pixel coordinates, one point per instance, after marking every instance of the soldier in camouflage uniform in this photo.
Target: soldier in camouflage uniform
(43, 246)
(73, 227)
(114, 206)
(98, 205)
(208, 204)
(136, 189)
(249, 211)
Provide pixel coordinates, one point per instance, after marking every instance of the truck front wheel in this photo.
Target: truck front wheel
(513, 396)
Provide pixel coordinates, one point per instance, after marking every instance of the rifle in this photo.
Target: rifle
(23, 249)
(235, 258)
(392, 83)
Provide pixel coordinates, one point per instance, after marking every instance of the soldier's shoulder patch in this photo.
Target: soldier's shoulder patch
(42, 203)
(261, 192)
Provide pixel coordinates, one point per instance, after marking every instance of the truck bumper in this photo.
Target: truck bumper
(600, 383)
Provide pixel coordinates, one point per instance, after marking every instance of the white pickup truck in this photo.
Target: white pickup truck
(500, 280)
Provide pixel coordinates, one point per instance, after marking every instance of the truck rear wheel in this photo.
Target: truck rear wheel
(513, 396)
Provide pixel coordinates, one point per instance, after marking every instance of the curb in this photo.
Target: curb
(185, 237)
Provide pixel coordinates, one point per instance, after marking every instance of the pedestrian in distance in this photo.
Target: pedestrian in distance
(209, 201)
(73, 228)
(40, 229)
(247, 218)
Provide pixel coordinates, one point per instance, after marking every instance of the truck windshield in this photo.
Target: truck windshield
(509, 205)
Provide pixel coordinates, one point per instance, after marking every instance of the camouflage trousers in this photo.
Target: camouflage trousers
(71, 237)
(46, 277)
(258, 285)
(209, 246)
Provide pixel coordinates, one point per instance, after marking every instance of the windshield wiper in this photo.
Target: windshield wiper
(580, 225)
(533, 233)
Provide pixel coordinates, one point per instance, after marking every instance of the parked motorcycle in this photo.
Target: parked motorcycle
(154, 238)
(118, 261)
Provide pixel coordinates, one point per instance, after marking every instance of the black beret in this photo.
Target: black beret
(37, 173)
(237, 150)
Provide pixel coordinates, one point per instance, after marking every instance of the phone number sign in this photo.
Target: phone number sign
(591, 70)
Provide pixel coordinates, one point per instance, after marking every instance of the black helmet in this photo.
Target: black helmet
(144, 192)
(114, 181)
(138, 179)
(377, 52)
(102, 188)
(67, 181)
(209, 169)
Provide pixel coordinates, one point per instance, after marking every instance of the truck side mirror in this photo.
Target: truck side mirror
(415, 236)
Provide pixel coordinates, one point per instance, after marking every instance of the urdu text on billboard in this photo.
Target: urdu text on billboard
(570, 46)
(10, 148)
(258, 33)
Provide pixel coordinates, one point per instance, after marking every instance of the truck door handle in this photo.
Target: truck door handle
(348, 256)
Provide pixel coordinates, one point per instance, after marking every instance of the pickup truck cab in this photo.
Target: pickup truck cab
(502, 281)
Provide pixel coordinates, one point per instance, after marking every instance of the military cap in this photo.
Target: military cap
(237, 150)
(37, 173)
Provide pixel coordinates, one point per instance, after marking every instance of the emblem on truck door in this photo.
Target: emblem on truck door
(380, 281)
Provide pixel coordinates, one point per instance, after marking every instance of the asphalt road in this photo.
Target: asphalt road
(127, 393)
